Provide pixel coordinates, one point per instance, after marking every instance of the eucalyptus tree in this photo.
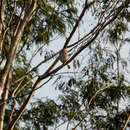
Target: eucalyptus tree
(29, 24)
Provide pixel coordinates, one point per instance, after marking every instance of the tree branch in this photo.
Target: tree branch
(100, 28)
(72, 33)
(4, 100)
(2, 5)
(49, 73)
(20, 112)
(87, 6)
(34, 68)
(15, 45)
(127, 121)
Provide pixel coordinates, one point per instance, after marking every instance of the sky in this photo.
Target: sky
(48, 90)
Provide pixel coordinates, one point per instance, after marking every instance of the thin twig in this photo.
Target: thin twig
(127, 121)
(34, 68)
(87, 6)
(100, 90)
(44, 83)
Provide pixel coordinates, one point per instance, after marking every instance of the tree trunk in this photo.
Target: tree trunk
(2, 5)
(11, 59)
(4, 101)
(22, 109)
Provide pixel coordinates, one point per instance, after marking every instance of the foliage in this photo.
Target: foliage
(93, 93)
(41, 115)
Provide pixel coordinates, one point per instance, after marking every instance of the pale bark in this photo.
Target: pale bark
(22, 109)
(4, 100)
(49, 73)
(88, 42)
(2, 5)
(36, 85)
(11, 57)
(15, 45)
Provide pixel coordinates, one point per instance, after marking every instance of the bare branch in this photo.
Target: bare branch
(127, 121)
(72, 33)
(87, 6)
(100, 28)
(34, 68)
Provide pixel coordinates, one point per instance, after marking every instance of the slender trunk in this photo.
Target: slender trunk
(15, 45)
(118, 81)
(2, 5)
(118, 75)
(20, 112)
(4, 100)
(11, 58)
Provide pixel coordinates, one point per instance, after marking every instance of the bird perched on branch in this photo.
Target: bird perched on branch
(64, 57)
